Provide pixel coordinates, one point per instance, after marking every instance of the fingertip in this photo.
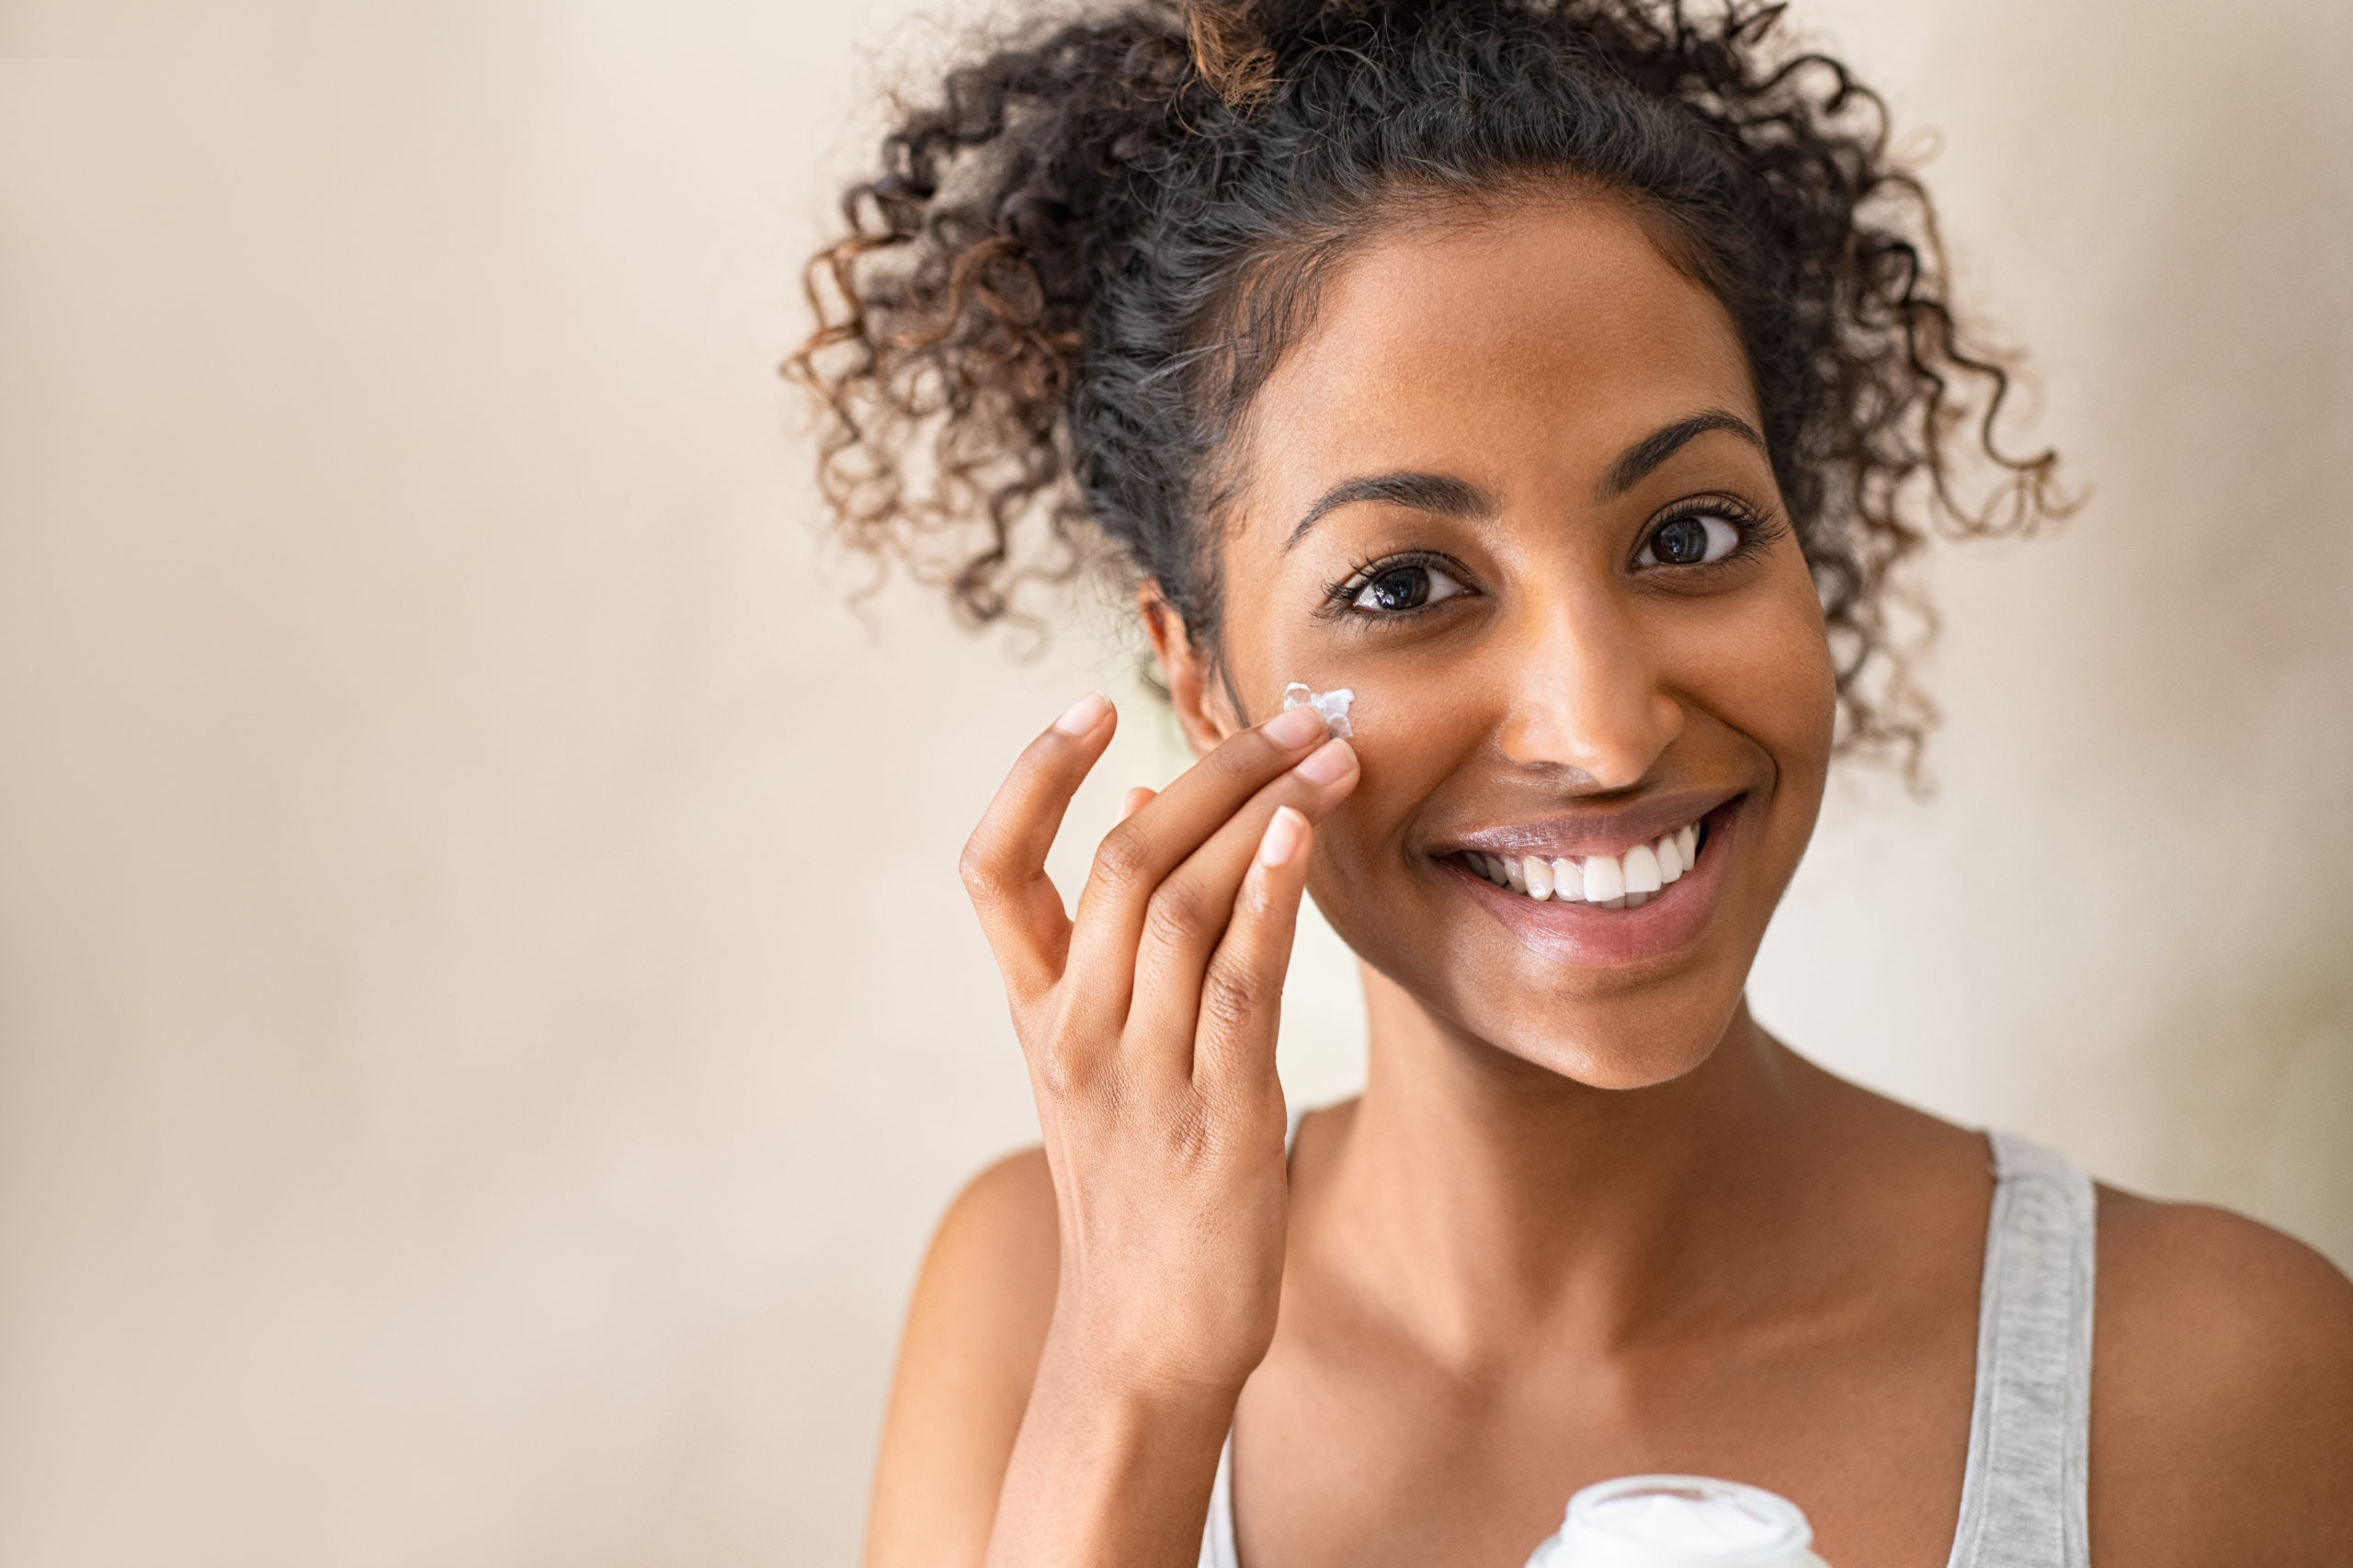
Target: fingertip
(1085, 716)
(1285, 836)
(1329, 762)
(1295, 727)
(1135, 799)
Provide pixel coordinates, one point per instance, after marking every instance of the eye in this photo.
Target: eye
(1695, 538)
(1392, 589)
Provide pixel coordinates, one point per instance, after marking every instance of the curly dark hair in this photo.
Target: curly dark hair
(1084, 258)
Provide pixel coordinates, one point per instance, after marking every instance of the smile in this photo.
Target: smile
(1627, 879)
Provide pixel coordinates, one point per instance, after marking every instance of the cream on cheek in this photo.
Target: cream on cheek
(1414, 734)
(1333, 705)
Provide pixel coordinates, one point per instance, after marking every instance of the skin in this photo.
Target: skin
(1587, 1219)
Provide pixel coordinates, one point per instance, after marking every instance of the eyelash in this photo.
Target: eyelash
(1340, 597)
(1757, 529)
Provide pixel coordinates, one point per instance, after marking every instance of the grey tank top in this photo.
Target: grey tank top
(2022, 1496)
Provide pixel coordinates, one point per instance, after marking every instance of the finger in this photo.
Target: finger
(1242, 991)
(1136, 854)
(1003, 865)
(1134, 801)
(1190, 912)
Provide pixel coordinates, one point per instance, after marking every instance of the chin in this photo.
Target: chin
(1636, 1043)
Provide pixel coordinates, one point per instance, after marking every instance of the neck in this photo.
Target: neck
(1480, 1199)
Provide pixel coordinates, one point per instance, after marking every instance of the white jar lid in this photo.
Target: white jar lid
(1679, 1521)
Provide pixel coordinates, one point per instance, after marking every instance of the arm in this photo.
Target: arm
(966, 1365)
(2222, 1393)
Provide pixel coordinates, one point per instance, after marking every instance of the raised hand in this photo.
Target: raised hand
(1149, 1027)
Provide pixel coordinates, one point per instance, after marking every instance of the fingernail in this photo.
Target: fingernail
(1082, 715)
(1295, 728)
(1283, 837)
(1331, 762)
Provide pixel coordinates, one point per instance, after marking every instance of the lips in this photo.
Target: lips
(1596, 891)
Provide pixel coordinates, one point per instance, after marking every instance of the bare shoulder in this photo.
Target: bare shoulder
(970, 1354)
(998, 1238)
(2221, 1391)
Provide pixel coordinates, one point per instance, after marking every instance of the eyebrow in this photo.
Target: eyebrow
(1432, 493)
(1635, 463)
(1443, 496)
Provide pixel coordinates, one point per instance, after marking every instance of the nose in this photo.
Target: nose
(1588, 693)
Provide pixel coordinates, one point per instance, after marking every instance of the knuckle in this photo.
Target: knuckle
(1174, 916)
(1062, 1069)
(1060, 1075)
(1192, 1134)
(1064, 1063)
(1124, 857)
(984, 878)
(1232, 996)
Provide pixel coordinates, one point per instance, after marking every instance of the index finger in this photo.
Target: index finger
(1137, 856)
(1003, 865)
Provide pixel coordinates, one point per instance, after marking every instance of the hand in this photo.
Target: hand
(1149, 1027)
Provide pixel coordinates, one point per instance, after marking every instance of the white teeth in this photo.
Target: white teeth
(1613, 881)
(1604, 877)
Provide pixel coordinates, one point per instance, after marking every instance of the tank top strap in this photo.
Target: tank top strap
(1218, 1549)
(2022, 1498)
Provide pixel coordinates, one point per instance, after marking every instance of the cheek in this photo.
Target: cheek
(1413, 734)
(1765, 667)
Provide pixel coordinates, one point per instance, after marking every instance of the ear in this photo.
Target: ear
(1195, 687)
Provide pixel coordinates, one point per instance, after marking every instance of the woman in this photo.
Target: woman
(1562, 377)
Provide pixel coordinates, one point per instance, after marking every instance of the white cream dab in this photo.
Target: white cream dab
(1333, 705)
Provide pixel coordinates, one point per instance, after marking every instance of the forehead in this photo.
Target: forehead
(1521, 350)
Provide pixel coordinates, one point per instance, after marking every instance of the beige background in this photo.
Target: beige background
(486, 1016)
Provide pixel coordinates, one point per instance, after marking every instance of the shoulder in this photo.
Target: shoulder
(974, 1334)
(1000, 1232)
(987, 1292)
(2221, 1390)
(2235, 1308)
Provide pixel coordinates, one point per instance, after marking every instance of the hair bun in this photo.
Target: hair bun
(1230, 49)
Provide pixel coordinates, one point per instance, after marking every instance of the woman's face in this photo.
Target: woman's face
(1509, 490)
